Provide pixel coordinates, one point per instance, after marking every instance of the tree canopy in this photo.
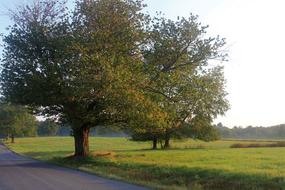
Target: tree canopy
(180, 79)
(107, 62)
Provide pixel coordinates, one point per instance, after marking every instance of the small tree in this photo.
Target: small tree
(7, 119)
(16, 121)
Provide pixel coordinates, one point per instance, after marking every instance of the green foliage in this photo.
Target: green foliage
(77, 68)
(16, 121)
(25, 125)
(107, 62)
(200, 128)
(7, 119)
(181, 81)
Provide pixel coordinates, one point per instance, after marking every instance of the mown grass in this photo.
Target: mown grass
(188, 165)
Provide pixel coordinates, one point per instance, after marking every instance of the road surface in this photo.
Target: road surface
(20, 173)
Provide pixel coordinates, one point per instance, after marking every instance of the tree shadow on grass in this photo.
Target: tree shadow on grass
(159, 150)
(208, 179)
(44, 154)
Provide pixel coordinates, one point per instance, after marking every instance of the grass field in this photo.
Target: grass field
(188, 165)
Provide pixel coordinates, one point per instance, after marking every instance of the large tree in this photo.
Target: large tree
(83, 68)
(185, 75)
(107, 63)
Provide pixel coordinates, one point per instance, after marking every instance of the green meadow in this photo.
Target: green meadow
(188, 164)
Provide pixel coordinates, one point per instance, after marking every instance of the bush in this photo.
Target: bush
(258, 145)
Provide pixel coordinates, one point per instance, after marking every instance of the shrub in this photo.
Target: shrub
(258, 145)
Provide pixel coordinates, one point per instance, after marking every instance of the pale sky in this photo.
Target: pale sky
(255, 32)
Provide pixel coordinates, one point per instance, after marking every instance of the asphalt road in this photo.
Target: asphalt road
(20, 173)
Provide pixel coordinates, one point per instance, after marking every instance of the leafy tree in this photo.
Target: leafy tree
(78, 68)
(200, 128)
(181, 80)
(16, 121)
(25, 124)
(6, 120)
(109, 63)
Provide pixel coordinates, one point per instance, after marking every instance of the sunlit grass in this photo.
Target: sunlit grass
(190, 164)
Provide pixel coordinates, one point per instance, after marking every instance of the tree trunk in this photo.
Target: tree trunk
(12, 138)
(154, 143)
(81, 141)
(167, 143)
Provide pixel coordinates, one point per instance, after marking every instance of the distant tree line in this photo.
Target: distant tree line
(250, 132)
